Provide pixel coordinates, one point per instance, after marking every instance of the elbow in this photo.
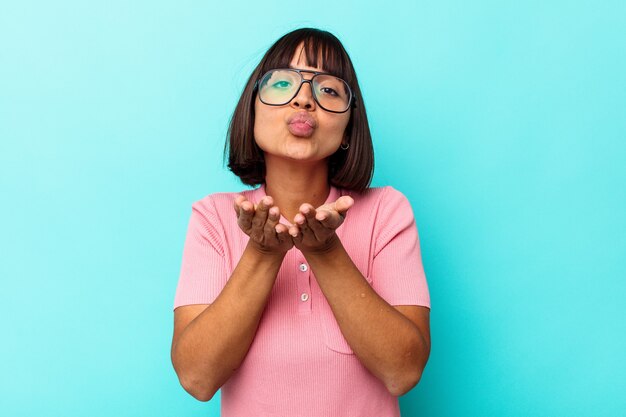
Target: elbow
(198, 387)
(408, 375)
(401, 385)
(200, 392)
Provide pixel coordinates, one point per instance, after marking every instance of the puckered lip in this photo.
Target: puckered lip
(302, 117)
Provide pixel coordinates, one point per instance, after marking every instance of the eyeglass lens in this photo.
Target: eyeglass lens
(280, 86)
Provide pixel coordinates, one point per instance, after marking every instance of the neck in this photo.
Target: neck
(292, 183)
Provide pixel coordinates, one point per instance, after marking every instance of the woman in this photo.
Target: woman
(310, 298)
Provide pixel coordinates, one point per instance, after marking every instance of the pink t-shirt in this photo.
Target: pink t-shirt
(299, 364)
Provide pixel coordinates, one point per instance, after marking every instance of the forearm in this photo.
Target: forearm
(215, 343)
(386, 342)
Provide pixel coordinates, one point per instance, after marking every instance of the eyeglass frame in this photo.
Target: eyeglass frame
(351, 103)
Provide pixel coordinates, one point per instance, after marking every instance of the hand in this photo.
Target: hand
(314, 229)
(261, 223)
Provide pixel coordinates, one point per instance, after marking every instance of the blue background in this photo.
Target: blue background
(502, 122)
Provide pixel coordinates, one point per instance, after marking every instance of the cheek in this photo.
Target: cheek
(260, 134)
(337, 127)
(263, 124)
(345, 123)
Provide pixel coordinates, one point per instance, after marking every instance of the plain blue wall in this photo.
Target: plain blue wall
(502, 122)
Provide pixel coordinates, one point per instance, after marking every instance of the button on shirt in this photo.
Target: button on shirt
(299, 363)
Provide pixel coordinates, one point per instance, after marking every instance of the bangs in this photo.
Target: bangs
(320, 50)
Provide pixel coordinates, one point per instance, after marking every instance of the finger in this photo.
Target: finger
(317, 230)
(260, 217)
(273, 215)
(282, 228)
(329, 219)
(307, 211)
(245, 216)
(237, 203)
(282, 233)
(343, 204)
(296, 235)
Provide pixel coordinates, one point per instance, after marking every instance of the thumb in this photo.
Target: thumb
(343, 203)
(237, 203)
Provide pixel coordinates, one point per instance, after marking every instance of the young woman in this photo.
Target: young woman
(305, 296)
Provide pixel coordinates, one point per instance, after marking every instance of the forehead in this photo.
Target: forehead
(311, 54)
(299, 59)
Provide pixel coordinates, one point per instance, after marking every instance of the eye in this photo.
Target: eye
(281, 84)
(329, 91)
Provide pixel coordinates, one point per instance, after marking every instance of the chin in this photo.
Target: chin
(303, 157)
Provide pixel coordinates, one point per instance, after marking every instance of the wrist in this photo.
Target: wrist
(330, 246)
(264, 254)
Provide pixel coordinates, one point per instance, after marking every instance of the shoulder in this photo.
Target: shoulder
(381, 198)
(379, 209)
(213, 206)
(220, 200)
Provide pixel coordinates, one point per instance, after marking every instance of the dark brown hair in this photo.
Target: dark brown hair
(351, 169)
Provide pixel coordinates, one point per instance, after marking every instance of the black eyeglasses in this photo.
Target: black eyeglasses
(278, 87)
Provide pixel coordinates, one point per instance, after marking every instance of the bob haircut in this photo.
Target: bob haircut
(350, 169)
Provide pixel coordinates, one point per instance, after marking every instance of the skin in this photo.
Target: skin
(273, 137)
(211, 341)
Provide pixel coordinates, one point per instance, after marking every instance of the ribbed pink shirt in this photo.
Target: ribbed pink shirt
(299, 364)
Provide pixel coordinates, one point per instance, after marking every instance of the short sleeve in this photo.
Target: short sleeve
(397, 272)
(203, 272)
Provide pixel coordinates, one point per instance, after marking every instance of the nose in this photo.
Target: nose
(304, 98)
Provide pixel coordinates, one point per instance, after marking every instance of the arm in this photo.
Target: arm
(209, 345)
(393, 343)
(390, 345)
